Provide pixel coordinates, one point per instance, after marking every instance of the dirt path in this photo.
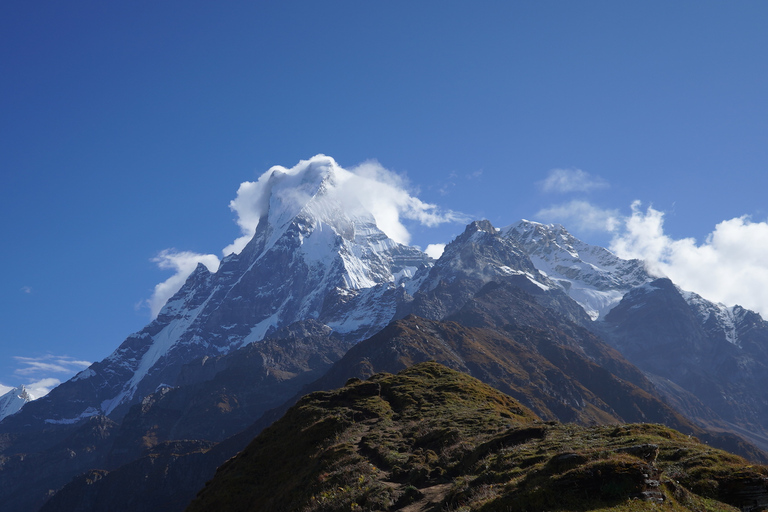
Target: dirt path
(432, 496)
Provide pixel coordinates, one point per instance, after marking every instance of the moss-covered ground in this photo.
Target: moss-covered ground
(434, 439)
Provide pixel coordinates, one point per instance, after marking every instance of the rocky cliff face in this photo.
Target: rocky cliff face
(720, 358)
(591, 275)
(476, 257)
(311, 257)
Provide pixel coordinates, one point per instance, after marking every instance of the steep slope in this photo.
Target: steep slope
(494, 317)
(591, 275)
(316, 255)
(29, 476)
(227, 394)
(237, 389)
(434, 439)
(552, 380)
(478, 256)
(312, 257)
(680, 338)
(13, 401)
(556, 368)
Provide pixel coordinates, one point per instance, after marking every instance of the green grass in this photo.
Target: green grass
(388, 442)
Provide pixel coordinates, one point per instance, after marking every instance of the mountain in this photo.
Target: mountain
(310, 258)
(430, 438)
(226, 394)
(316, 254)
(501, 336)
(320, 294)
(13, 401)
(591, 275)
(509, 333)
(476, 257)
(682, 341)
(707, 359)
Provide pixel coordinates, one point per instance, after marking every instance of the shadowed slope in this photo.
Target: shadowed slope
(434, 439)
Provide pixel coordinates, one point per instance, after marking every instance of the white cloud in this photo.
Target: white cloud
(26, 289)
(475, 174)
(35, 366)
(435, 250)
(383, 193)
(571, 180)
(183, 263)
(582, 216)
(730, 266)
(37, 371)
(42, 387)
(387, 196)
(4, 389)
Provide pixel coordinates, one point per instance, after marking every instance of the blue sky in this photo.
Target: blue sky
(127, 127)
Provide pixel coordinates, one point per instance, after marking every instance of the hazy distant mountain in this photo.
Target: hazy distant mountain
(718, 354)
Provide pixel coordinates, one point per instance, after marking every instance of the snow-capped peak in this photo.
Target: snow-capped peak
(717, 318)
(316, 253)
(593, 276)
(312, 189)
(13, 401)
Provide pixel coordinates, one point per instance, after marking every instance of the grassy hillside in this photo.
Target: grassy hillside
(430, 438)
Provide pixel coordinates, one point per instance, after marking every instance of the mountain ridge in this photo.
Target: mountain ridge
(319, 276)
(430, 438)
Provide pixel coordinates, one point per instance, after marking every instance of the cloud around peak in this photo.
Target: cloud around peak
(382, 193)
(183, 263)
(730, 266)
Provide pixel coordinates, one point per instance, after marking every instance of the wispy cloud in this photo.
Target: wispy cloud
(582, 216)
(26, 289)
(49, 364)
(183, 263)
(40, 388)
(571, 180)
(41, 374)
(475, 175)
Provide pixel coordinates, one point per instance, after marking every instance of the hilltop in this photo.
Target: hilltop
(431, 438)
